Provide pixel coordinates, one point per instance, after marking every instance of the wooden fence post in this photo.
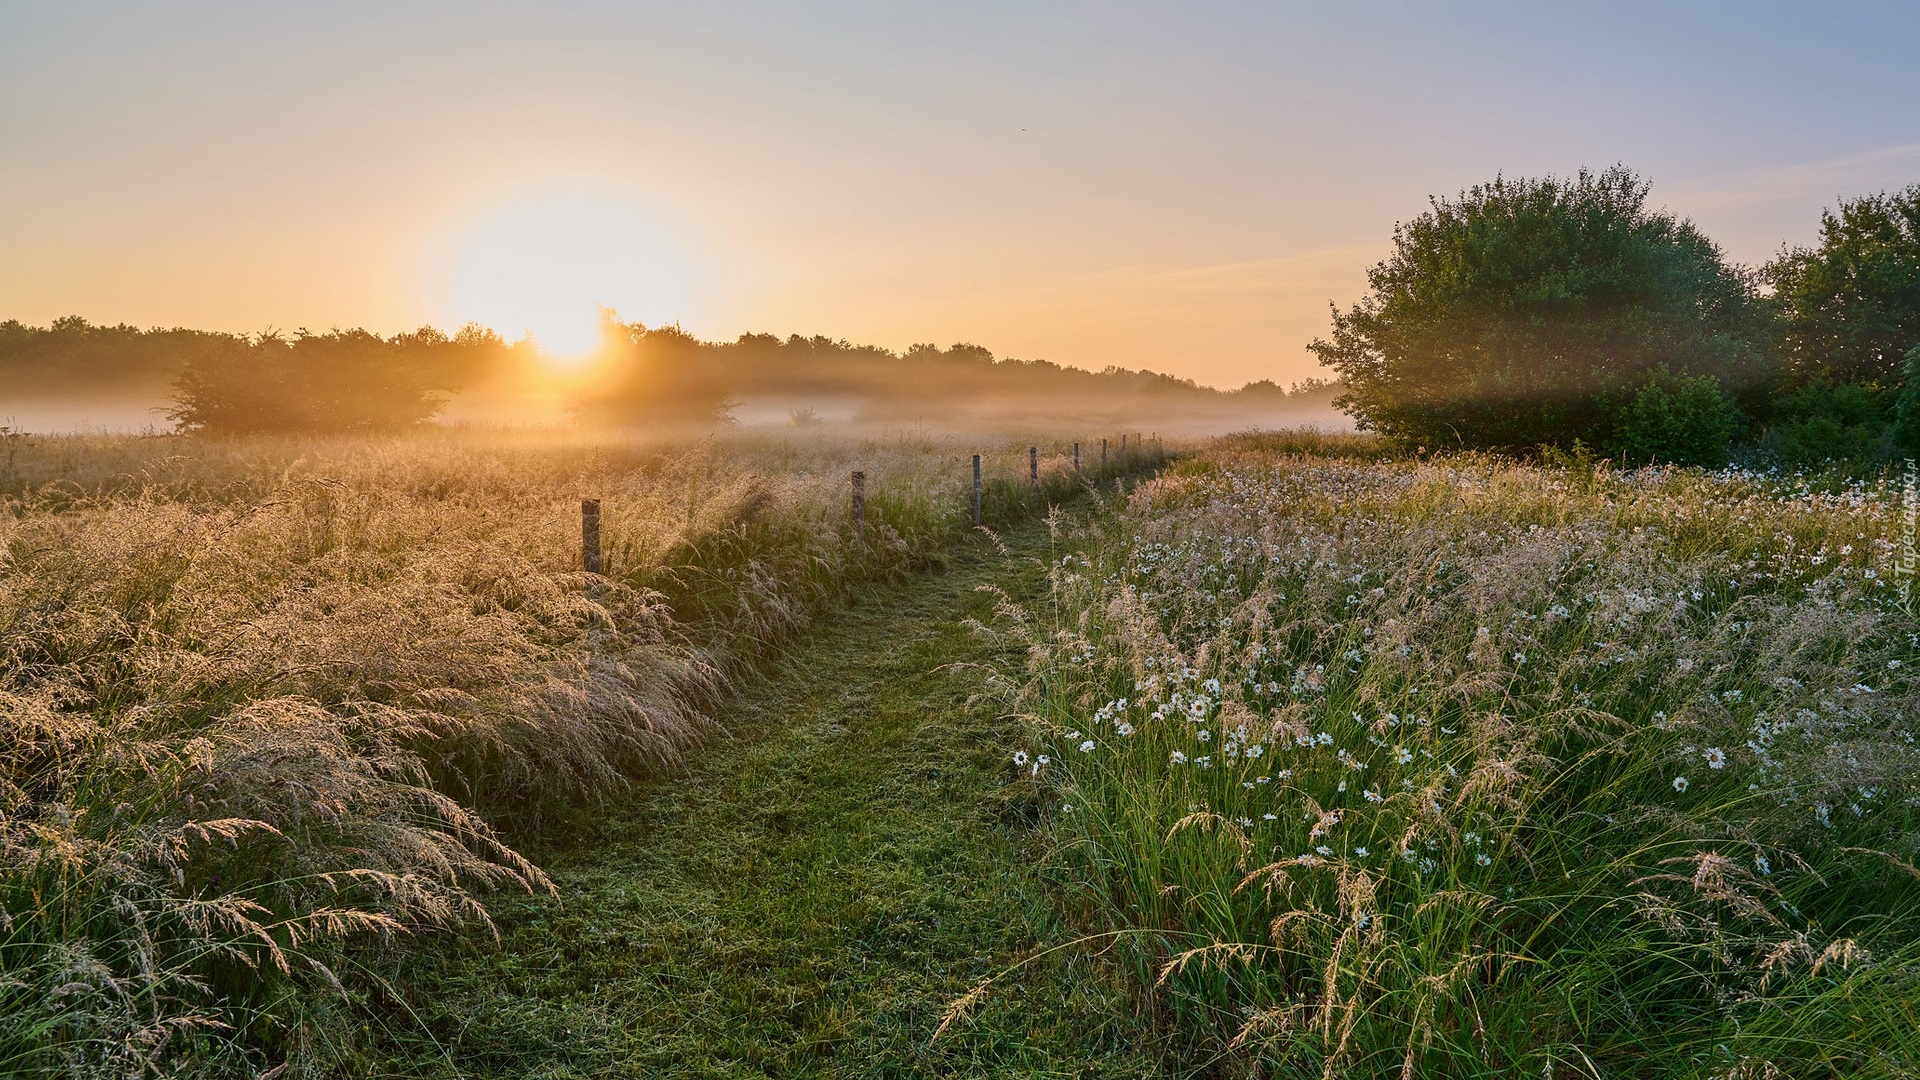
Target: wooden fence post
(1103, 453)
(859, 505)
(1076, 457)
(590, 534)
(976, 491)
(1033, 468)
(1123, 444)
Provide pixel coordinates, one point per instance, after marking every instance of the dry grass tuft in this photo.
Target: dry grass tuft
(258, 697)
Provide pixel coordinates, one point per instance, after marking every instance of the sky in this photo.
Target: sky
(1179, 186)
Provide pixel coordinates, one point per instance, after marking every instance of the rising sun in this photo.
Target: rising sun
(545, 263)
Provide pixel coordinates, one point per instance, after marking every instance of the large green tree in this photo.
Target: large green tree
(1533, 312)
(1850, 305)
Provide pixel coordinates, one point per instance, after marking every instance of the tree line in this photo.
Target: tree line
(358, 381)
(1568, 315)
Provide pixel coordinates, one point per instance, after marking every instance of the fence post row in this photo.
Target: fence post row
(976, 490)
(590, 534)
(859, 504)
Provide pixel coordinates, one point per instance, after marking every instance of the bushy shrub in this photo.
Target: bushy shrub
(1675, 419)
(1828, 421)
(1906, 409)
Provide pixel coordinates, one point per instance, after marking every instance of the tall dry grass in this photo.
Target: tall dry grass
(261, 696)
(1471, 768)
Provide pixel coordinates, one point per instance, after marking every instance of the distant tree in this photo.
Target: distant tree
(343, 380)
(1850, 305)
(76, 358)
(659, 376)
(1533, 312)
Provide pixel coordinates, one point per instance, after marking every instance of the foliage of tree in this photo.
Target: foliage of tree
(1906, 411)
(1825, 420)
(657, 376)
(355, 380)
(340, 381)
(1849, 306)
(1532, 312)
(73, 357)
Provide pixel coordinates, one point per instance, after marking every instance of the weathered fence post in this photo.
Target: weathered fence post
(1076, 457)
(1123, 444)
(859, 505)
(976, 491)
(590, 534)
(1033, 468)
(1103, 453)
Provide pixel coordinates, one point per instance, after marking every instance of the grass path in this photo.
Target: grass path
(806, 901)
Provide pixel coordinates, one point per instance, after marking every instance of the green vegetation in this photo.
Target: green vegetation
(261, 698)
(1850, 306)
(1531, 313)
(346, 381)
(1462, 767)
(806, 900)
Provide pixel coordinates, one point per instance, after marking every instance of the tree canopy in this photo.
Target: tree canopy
(1850, 306)
(342, 380)
(1534, 312)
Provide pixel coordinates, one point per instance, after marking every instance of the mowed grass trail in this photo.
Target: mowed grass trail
(805, 901)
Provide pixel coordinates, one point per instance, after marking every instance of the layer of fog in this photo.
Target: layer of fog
(146, 414)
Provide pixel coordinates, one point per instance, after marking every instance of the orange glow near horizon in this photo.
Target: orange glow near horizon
(545, 263)
(1130, 185)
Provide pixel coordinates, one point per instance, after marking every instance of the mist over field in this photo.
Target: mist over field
(74, 376)
(1363, 541)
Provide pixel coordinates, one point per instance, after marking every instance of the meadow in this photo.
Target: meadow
(267, 697)
(1461, 766)
(1326, 761)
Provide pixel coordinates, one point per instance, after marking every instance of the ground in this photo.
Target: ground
(806, 900)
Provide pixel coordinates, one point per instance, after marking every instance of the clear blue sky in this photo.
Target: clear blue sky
(1179, 186)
